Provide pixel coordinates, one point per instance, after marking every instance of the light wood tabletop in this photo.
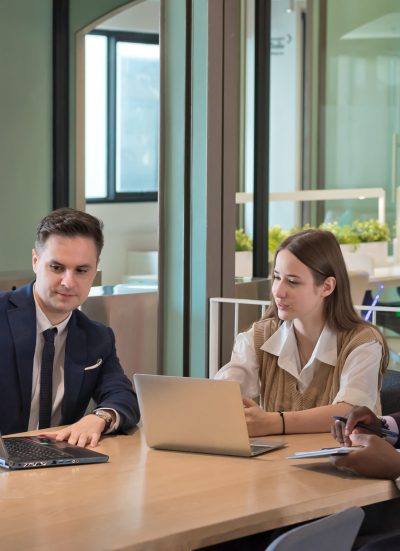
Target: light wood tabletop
(149, 500)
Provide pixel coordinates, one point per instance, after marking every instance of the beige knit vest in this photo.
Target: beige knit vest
(279, 389)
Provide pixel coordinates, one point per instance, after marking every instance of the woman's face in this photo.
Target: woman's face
(295, 292)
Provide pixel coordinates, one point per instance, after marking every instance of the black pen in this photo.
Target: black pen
(379, 432)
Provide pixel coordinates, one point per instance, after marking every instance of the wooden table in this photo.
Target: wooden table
(157, 500)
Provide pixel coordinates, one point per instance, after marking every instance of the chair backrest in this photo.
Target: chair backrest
(332, 533)
(390, 392)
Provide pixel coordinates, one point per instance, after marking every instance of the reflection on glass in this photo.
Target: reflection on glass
(362, 104)
(285, 102)
(96, 116)
(137, 113)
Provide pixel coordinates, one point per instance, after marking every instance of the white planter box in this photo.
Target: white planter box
(243, 263)
(357, 257)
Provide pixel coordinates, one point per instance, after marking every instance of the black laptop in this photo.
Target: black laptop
(31, 452)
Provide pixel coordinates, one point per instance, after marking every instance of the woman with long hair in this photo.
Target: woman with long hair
(311, 356)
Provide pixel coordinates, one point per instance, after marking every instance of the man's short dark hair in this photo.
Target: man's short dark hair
(70, 223)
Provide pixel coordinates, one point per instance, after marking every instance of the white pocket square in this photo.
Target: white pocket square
(99, 362)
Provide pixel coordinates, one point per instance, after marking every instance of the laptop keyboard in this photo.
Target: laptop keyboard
(30, 451)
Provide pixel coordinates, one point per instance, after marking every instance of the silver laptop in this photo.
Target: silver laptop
(196, 415)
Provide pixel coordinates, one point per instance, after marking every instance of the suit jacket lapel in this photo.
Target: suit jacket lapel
(74, 368)
(22, 322)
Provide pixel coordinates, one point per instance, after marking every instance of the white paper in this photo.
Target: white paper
(323, 452)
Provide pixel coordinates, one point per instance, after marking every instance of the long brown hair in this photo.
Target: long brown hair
(320, 251)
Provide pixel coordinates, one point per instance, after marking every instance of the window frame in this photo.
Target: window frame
(114, 196)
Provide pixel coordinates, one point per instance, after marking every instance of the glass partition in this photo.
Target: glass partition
(360, 108)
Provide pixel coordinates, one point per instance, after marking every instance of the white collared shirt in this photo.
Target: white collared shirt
(42, 324)
(358, 381)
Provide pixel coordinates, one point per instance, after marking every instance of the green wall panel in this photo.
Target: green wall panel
(25, 126)
(173, 152)
(198, 336)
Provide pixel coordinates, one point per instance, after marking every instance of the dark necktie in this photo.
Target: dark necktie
(46, 379)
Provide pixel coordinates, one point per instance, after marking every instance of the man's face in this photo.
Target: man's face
(65, 268)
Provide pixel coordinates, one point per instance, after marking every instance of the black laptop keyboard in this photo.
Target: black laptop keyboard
(30, 451)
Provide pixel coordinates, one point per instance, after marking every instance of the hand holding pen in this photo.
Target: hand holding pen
(362, 419)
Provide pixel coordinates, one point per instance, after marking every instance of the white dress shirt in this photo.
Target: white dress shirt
(42, 324)
(358, 381)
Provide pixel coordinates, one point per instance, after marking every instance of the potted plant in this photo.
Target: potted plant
(344, 234)
(368, 237)
(374, 239)
(244, 254)
(275, 237)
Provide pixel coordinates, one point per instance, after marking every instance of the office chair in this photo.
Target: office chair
(332, 533)
(390, 297)
(390, 392)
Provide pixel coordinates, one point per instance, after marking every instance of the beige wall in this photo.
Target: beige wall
(127, 227)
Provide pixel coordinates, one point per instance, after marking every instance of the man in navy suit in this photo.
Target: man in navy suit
(85, 365)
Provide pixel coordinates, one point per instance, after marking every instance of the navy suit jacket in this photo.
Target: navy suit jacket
(87, 343)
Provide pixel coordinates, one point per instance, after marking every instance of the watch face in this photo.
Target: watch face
(107, 419)
(397, 482)
(105, 415)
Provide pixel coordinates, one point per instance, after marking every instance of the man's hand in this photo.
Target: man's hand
(85, 432)
(358, 414)
(260, 422)
(377, 458)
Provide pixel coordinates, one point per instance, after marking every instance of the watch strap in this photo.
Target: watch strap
(106, 415)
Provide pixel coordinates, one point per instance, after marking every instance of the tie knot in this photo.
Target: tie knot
(49, 334)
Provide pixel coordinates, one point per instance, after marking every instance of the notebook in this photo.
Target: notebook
(30, 452)
(324, 452)
(196, 415)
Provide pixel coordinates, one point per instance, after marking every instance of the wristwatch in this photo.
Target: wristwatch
(106, 415)
(397, 482)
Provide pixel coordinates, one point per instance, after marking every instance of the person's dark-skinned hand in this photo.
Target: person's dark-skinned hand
(358, 414)
(377, 458)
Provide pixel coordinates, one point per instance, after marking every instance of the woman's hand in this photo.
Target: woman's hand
(260, 422)
(377, 458)
(358, 414)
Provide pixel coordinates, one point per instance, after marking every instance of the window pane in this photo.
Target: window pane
(96, 116)
(362, 103)
(137, 113)
(285, 101)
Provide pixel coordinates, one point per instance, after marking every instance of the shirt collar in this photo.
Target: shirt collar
(283, 341)
(43, 323)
